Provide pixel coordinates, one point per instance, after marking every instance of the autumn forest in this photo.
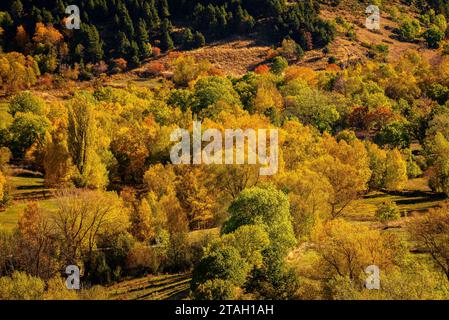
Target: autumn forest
(356, 209)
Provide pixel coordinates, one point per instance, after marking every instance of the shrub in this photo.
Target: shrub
(156, 52)
(262, 69)
(119, 65)
(409, 29)
(379, 52)
(178, 253)
(279, 64)
(21, 286)
(142, 259)
(57, 290)
(94, 293)
(2, 184)
(100, 68)
(446, 48)
(221, 263)
(433, 37)
(216, 290)
(291, 50)
(388, 211)
(271, 54)
(68, 72)
(198, 39)
(26, 102)
(154, 68)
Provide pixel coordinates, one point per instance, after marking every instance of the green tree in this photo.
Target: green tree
(126, 20)
(433, 37)
(27, 102)
(409, 29)
(439, 148)
(275, 281)
(309, 105)
(198, 39)
(83, 142)
(17, 10)
(94, 46)
(279, 64)
(395, 171)
(26, 130)
(394, 135)
(123, 44)
(388, 211)
(164, 8)
(143, 38)
(266, 206)
(187, 39)
(166, 40)
(210, 90)
(223, 263)
(377, 162)
(250, 241)
(151, 15)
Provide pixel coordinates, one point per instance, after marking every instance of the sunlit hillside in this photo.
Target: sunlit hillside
(221, 150)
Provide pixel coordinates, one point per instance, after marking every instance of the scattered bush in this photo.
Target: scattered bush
(388, 211)
(278, 65)
(216, 290)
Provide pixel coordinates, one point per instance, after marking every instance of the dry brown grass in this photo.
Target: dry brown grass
(233, 56)
(344, 49)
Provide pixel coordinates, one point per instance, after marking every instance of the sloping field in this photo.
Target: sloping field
(26, 186)
(233, 56)
(164, 287)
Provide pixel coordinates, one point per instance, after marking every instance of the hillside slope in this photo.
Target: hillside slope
(236, 55)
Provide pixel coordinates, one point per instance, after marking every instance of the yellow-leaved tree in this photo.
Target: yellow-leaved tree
(346, 167)
(82, 217)
(17, 71)
(395, 171)
(161, 182)
(36, 244)
(84, 142)
(308, 192)
(2, 185)
(300, 143)
(346, 249)
(377, 160)
(58, 164)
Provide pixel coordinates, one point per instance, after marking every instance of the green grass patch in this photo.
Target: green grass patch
(198, 235)
(148, 83)
(10, 217)
(25, 189)
(408, 201)
(28, 188)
